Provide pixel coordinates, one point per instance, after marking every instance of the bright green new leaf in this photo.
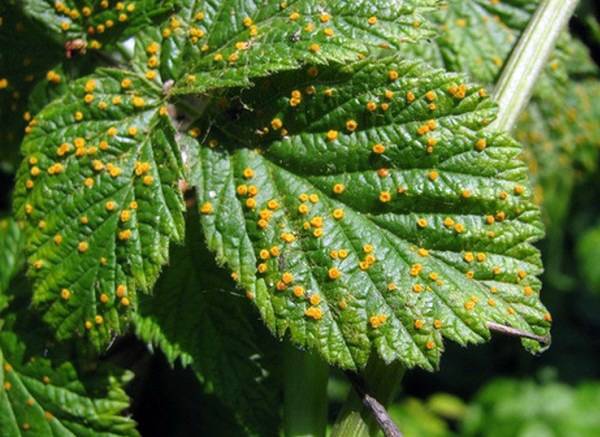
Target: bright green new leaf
(367, 208)
(39, 397)
(98, 191)
(227, 43)
(195, 315)
(517, 407)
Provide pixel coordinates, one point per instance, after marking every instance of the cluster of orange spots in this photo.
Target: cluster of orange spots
(418, 288)
(315, 299)
(521, 274)
(383, 172)
(378, 148)
(369, 258)
(391, 286)
(206, 208)
(385, 196)
(334, 273)
(422, 252)
(113, 170)
(351, 125)
(371, 106)
(248, 173)
(458, 91)
(432, 175)
(276, 123)
(470, 304)
(422, 223)
(331, 135)
(480, 144)
(288, 237)
(53, 77)
(393, 75)
(314, 313)
(427, 127)
(58, 239)
(519, 189)
(527, 290)
(65, 294)
(419, 324)
(339, 188)
(125, 235)
(83, 246)
(298, 291)
(55, 168)
(415, 269)
(377, 320)
(338, 213)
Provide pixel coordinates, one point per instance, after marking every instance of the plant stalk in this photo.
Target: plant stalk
(305, 393)
(529, 57)
(381, 382)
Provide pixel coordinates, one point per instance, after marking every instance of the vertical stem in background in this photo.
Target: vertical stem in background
(305, 393)
(382, 382)
(528, 59)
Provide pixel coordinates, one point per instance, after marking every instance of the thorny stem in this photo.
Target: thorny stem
(529, 57)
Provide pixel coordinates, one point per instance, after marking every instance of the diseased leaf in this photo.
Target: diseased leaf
(196, 316)
(94, 23)
(367, 208)
(98, 190)
(226, 43)
(43, 398)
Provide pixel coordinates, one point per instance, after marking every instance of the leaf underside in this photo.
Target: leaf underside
(366, 208)
(98, 191)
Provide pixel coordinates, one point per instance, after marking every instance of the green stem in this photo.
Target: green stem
(528, 59)
(381, 382)
(305, 393)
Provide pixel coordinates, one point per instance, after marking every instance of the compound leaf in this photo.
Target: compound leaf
(368, 208)
(98, 191)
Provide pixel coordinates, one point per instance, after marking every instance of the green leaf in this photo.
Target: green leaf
(522, 407)
(45, 398)
(227, 43)
(98, 190)
(94, 23)
(196, 316)
(417, 420)
(435, 238)
(11, 252)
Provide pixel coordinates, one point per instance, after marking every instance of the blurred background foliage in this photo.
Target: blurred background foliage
(496, 389)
